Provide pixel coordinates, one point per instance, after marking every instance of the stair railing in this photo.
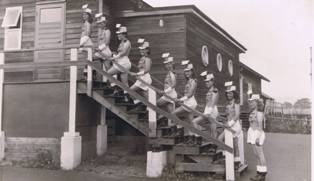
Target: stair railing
(157, 109)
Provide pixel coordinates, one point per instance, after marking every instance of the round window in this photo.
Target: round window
(230, 67)
(205, 55)
(219, 62)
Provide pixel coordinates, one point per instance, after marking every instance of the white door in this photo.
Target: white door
(49, 35)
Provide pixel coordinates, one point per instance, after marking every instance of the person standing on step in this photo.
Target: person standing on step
(121, 61)
(188, 99)
(233, 119)
(103, 51)
(169, 89)
(256, 135)
(211, 109)
(144, 67)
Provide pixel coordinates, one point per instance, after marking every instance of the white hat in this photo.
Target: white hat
(87, 10)
(203, 73)
(255, 97)
(227, 84)
(209, 77)
(144, 45)
(185, 62)
(118, 25)
(168, 60)
(122, 29)
(165, 55)
(102, 19)
(189, 67)
(98, 15)
(140, 40)
(231, 88)
(85, 6)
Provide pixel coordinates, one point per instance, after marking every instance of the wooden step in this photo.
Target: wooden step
(200, 167)
(163, 141)
(187, 150)
(201, 158)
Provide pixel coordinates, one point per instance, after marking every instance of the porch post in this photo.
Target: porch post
(156, 160)
(71, 142)
(2, 135)
(229, 157)
(102, 133)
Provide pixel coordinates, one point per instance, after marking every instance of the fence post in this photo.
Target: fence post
(71, 142)
(2, 135)
(229, 157)
(156, 160)
(89, 72)
(102, 133)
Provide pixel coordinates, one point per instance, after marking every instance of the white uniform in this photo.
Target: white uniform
(145, 77)
(190, 102)
(105, 50)
(169, 82)
(85, 36)
(123, 61)
(235, 124)
(254, 133)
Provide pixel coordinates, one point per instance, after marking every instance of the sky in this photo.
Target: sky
(277, 34)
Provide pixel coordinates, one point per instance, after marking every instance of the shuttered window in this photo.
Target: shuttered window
(12, 22)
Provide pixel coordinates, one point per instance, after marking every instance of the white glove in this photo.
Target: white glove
(183, 98)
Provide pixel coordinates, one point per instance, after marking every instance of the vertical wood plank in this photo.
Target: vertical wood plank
(1, 88)
(152, 119)
(89, 73)
(73, 89)
(229, 157)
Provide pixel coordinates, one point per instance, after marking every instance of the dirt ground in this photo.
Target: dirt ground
(288, 157)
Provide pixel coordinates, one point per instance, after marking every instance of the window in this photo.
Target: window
(219, 62)
(50, 15)
(230, 67)
(205, 55)
(12, 22)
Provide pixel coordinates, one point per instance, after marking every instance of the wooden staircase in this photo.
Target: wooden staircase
(187, 157)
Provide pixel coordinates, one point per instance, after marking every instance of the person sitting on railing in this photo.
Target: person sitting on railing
(233, 122)
(85, 40)
(121, 61)
(103, 51)
(144, 66)
(169, 88)
(188, 100)
(256, 135)
(211, 109)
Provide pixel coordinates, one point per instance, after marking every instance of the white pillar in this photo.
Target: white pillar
(156, 161)
(89, 72)
(102, 134)
(2, 135)
(152, 116)
(241, 148)
(71, 142)
(229, 157)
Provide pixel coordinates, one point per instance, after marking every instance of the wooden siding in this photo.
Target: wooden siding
(199, 34)
(170, 38)
(256, 87)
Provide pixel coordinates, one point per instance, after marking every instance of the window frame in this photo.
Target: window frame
(219, 59)
(11, 28)
(230, 67)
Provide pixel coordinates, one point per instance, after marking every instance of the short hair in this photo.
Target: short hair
(260, 105)
(235, 96)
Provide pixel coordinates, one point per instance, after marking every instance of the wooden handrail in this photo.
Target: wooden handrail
(42, 49)
(181, 104)
(32, 65)
(160, 111)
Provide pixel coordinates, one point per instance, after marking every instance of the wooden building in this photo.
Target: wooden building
(249, 80)
(36, 100)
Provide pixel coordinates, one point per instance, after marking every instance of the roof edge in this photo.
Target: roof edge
(253, 71)
(181, 10)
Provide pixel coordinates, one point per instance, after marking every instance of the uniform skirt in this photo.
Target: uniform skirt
(105, 53)
(85, 41)
(146, 77)
(212, 111)
(173, 94)
(191, 103)
(236, 127)
(124, 62)
(254, 135)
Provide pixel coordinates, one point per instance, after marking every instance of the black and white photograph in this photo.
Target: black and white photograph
(156, 90)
